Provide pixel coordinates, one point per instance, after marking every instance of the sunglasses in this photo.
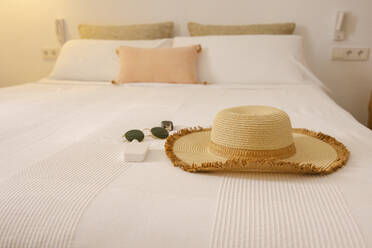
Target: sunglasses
(139, 135)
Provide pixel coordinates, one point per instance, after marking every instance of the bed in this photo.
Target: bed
(64, 183)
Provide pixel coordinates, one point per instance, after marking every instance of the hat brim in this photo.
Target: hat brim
(316, 153)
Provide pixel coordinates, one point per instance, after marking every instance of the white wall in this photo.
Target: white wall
(28, 25)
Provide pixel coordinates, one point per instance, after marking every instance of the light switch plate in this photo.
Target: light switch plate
(350, 54)
(339, 36)
(50, 53)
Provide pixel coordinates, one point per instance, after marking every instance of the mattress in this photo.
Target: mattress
(65, 124)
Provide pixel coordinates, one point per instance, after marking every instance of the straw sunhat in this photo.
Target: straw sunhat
(255, 138)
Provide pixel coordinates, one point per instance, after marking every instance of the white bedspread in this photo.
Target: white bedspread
(153, 204)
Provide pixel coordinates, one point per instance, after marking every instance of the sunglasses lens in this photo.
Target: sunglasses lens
(134, 134)
(159, 132)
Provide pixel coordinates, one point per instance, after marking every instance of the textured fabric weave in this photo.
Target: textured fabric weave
(171, 65)
(153, 204)
(196, 29)
(269, 210)
(41, 206)
(127, 32)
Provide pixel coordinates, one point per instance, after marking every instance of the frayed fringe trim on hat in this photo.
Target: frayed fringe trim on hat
(260, 165)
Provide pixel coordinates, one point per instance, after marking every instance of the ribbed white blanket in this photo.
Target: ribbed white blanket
(59, 188)
(272, 210)
(42, 205)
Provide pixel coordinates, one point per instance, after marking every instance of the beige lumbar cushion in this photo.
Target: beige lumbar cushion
(196, 29)
(170, 65)
(127, 32)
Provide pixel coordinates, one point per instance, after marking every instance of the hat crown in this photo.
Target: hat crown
(249, 130)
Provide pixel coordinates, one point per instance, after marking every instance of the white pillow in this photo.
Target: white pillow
(95, 60)
(248, 58)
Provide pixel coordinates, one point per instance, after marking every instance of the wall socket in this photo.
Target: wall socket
(49, 53)
(350, 54)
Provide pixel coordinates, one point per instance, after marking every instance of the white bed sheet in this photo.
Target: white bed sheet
(154, 203)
